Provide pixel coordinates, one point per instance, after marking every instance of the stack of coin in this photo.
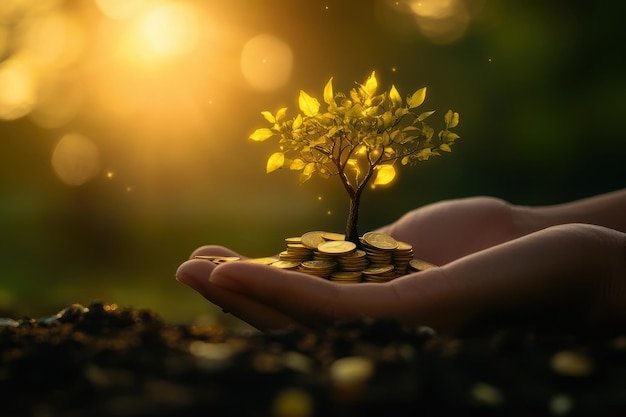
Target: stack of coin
(346, 277)
(296, 251)
(353, 262)
(401, 257)
(379, 273)
(322, 269)
(379, 248)
(328, 255)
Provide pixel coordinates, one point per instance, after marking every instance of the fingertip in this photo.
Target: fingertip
(194, 272)
(215, 250)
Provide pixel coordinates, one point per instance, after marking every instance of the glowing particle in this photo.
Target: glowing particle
(329, 212)
(319, 198)
(109, 175)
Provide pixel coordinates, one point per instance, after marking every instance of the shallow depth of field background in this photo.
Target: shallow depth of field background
(124, 125)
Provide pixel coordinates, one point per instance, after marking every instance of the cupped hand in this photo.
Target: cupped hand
(573, 273)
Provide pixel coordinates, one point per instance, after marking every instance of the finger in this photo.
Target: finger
(309, 300)
(213, 250)
(195, 274)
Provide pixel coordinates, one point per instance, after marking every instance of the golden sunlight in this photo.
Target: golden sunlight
(75, 159)
(266, 62)
(169, 29)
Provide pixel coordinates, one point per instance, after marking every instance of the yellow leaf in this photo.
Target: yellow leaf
(297, 164)
(309, 105)
(297, 122)
(268, 116)
(405, 160)
(280, 114)
(451, 118)
(445, 147)
(384, 174)
(329, 96)
(371, 84)
(394, 95)
(307, 172)
(417, 98)
(260, 135)
(275, 162)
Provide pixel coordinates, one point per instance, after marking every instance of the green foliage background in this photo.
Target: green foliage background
(539, 86)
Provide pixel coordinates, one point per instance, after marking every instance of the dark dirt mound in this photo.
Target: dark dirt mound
(102, 360)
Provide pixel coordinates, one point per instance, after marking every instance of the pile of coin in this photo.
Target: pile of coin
(327, 255)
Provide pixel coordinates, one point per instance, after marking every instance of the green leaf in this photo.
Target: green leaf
(308, 105)
(384, 174)
(417, 98)
(275, 161)
(394, 96)
(268, 116)
(260, 135)
(371, 84)
(329, 96)
(451, 118)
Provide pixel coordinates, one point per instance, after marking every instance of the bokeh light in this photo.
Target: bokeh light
(170, 29)
(75, 159)
(51, 40)
(18, 89)
(266, 62)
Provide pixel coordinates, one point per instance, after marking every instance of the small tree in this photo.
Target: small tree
(360, 137)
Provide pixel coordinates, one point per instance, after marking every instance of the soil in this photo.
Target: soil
(102, 360)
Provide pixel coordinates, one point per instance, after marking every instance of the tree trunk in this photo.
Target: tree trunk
(352, 234)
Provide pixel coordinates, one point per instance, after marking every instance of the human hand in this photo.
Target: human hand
(568, 274)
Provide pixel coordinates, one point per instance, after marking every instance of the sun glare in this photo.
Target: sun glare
(163, 32)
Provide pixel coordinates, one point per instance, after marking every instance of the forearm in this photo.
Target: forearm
(608, 210)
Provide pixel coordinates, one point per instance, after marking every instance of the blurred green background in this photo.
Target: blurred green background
(124, 125)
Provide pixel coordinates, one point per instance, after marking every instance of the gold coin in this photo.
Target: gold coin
(296, 239)
(312, 239)
(419, 265)
(378, 270)
(263, 261)
(336, 247)
(318, 265)
(285, 264)
(333, 236)
(218, 259)
(403, 246)
(380, 241)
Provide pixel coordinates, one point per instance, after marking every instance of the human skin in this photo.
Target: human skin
(558, 265)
